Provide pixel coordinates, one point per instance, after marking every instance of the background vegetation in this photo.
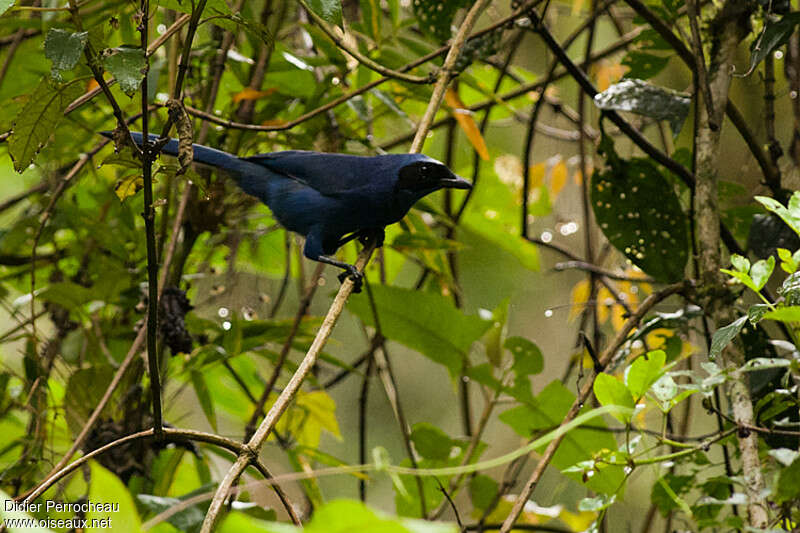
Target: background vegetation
(600, 335)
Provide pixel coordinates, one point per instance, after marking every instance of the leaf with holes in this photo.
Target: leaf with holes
(640, 215)
(64, 50)
(643, 65)
(436, 17)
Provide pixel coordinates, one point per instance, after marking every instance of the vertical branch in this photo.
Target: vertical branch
(729, 27)
(150, 236)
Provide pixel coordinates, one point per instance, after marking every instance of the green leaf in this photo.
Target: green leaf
(784, 314)
(13, 514)
(128, 65)
(64, 50)
(204, 397)
(665, 490)
(640, 97)
(330, 10)
(790, 215)
(37, 121)
(482, 491)
(756, 312)
(643, 65)
(67, 294)
(790, 289)
(502, 237)
(493, 339)
(639, 213)
(723, 336)
(105, 487)
(431, 442)
(775, 34)
(424, 321)
(740, 263)
(5, 5)
(436, 17)
(184, 520)
(761, 271)
(645, 371)
(611, 391)
(597, 503)
(789, 483)
(528, 357)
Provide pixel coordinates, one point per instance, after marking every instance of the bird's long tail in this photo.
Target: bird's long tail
(202, 154)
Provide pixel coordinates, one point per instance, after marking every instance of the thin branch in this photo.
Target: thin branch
(305, 302)
(361, 58)
(255, 443)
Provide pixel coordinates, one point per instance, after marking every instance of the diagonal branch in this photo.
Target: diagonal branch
(251, 450)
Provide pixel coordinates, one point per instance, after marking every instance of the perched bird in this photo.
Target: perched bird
(330, 198)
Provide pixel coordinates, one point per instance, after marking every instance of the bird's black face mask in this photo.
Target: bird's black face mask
(423, 177)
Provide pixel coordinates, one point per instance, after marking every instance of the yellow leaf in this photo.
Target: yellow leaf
(577, 6)
(128, 186)
(579, 521)
(558, 178)
(578, 298)
(577, 178)
(605, 302)
(251, 94)
(537, 173)
(464, 118)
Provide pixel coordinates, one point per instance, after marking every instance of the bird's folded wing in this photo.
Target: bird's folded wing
(330, 174)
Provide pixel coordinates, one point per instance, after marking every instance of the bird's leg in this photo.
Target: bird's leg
(316, 249)
(350, 271)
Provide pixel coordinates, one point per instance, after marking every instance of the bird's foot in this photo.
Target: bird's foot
(355, 276)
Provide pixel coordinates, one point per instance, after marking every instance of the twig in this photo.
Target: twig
(250, 450)
(583, 395)
(361, 58)
(589, 267)
(170, 434)
(700, 61)
(287, 346)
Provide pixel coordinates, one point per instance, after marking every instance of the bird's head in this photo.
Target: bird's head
(426, 175)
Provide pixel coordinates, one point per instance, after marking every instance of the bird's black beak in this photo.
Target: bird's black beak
(455, 182)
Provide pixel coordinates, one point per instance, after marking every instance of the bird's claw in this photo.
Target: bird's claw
(355, 276)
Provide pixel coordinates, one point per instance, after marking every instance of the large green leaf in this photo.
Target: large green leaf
(63, 49)
(38, 120)
(424, 321)
(640, 214)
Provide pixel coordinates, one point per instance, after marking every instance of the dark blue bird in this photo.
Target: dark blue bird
(330, 198)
